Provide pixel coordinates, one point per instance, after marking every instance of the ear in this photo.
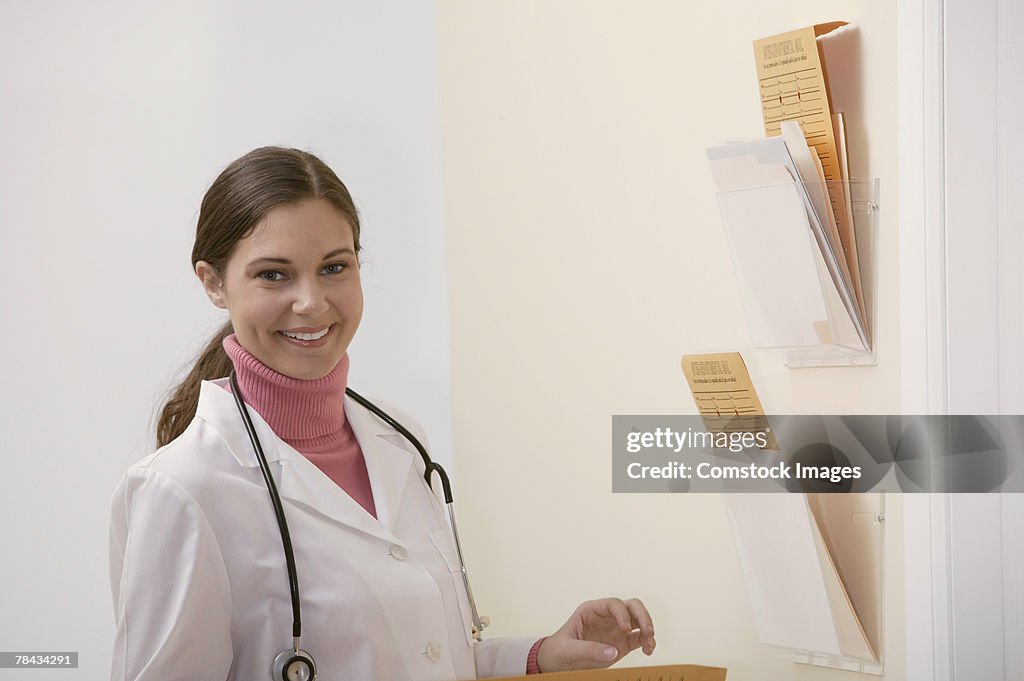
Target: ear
(212, 283)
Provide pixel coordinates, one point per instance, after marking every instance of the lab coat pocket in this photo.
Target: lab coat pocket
(445, 545)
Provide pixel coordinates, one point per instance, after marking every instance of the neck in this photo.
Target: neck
(302, 413)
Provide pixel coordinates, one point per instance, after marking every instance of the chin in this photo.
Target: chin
(309, 371)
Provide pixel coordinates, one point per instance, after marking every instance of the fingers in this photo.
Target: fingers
(594, 653)
(640, 618)
(643, 622)
(631, 616)
(562, 653)
(637, 640)
(634, 620)
(618, 610)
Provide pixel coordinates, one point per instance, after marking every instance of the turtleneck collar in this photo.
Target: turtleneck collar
(305, 414)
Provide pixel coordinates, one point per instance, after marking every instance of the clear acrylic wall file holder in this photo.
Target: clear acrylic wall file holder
(791, 300)
(814, 568)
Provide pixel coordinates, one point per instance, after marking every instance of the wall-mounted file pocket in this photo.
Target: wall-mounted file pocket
(805, 262)
(814, 570)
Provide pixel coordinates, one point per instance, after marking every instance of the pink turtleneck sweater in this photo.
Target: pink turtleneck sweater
(308, 415)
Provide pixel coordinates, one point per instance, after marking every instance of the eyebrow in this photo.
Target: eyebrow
(285, 261)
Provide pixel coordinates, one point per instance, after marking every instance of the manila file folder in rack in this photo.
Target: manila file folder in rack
(674, 672)
(791, 278)
(813, 566)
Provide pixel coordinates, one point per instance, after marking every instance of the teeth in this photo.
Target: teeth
(307, 336)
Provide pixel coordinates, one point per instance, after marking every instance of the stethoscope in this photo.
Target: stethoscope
(295, 664)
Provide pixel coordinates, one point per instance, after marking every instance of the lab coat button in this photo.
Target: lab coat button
(397, 552)
(434, 651)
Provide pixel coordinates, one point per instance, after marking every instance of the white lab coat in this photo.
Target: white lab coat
(198, 573)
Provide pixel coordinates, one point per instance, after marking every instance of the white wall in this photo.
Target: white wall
(116, 117)
(586, 256)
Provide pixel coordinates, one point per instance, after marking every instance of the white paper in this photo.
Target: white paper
(789, 277)
(776, 547)
(797, 596)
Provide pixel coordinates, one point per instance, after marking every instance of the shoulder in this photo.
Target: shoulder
(181, 470)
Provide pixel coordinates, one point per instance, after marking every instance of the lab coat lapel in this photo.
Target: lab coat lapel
(389, 460)
(218, 409)
(306, 485)
(299, 480)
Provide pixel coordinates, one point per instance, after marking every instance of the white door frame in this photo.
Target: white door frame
(960, 313)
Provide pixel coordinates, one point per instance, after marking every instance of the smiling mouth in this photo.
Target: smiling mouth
(307, 337)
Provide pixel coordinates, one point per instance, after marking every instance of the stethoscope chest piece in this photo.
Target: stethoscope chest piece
(294, 665)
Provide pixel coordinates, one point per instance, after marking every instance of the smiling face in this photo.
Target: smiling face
(292, 289)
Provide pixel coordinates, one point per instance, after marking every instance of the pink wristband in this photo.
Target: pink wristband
(531, 660)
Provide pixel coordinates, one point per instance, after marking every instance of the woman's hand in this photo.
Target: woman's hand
(598, 634)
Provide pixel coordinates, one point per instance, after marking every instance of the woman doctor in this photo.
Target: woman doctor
(198, 574)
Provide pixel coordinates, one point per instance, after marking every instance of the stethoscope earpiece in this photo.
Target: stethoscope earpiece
(294, 665)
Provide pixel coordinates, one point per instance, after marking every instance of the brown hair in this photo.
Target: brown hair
(234, 204)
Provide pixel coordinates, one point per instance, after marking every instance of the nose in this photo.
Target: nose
(310, 300)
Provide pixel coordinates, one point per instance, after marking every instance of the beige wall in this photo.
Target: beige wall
(586, 256)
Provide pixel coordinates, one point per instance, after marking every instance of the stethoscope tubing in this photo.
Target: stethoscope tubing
(275, 499)
(430, 467)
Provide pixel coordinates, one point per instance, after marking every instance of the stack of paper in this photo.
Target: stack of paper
(785, 201)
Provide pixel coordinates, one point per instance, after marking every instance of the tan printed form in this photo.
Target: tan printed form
(793, 81)
(725, 395)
